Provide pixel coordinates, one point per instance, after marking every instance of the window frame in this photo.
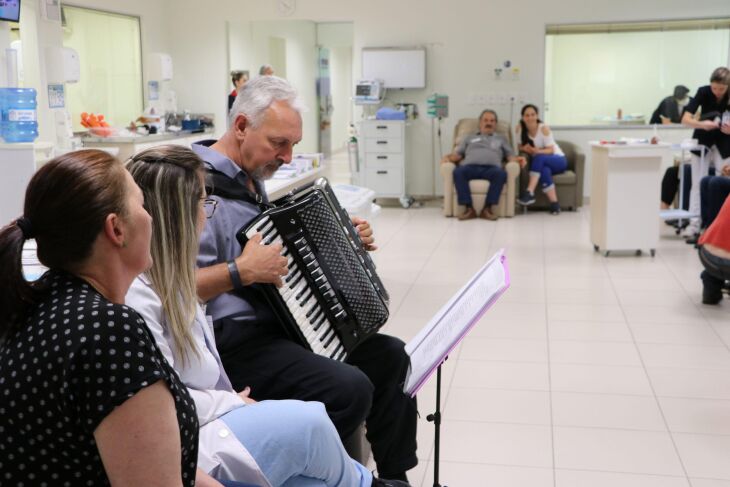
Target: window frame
(138, 18)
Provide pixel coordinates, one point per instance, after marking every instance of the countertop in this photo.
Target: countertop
(622, 127)
(143, 139)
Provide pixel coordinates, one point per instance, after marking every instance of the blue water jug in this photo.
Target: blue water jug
(18, 114)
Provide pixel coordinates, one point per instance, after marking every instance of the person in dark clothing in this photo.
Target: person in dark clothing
(670, 108)
(265, 124)
(670, 186)
(714, 253)
(238, 78)
(711, 132)
(714, 190)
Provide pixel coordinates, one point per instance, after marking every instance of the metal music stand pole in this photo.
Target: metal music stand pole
(436, 419)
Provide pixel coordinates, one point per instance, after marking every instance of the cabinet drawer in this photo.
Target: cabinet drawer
(384, 181)
(390, 160)
(382, 129)
(384, 144)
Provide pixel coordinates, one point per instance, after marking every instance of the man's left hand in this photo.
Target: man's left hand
(246, 396)
(365, 232)
(725, 170)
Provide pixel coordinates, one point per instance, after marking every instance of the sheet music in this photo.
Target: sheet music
(452, 322)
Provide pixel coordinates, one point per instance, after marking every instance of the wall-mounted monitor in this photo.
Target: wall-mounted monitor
(396, 67)
(10, 10)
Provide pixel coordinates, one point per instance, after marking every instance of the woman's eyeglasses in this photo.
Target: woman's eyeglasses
(209, 205)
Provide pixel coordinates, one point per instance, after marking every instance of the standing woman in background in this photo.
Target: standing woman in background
(712, 101)
(238, 78)
(546, 157)
(86, 397)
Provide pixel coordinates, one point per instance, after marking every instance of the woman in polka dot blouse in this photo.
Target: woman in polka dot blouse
(86, 397)
(275, 443)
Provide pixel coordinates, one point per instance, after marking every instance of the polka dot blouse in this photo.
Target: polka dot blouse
(76, 359)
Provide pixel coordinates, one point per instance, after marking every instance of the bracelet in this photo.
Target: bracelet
(235, 276)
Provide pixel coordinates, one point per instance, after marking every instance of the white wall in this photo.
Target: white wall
(465, 41)
(250, 45)
(4, 44)
(338, 37)
(342, 87)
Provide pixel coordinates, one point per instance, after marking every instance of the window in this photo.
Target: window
(110, 54)
(593, 71)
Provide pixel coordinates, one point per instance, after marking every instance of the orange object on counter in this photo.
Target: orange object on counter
(89, 120)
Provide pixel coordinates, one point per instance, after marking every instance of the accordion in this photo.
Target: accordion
(332, 299)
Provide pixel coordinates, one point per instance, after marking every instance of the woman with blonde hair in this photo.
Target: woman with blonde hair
(287, 442)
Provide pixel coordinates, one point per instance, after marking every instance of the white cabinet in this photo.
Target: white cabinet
(383, 157)
(625, 187)
(18, 163)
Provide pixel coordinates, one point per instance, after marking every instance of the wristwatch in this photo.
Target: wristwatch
(235, 276)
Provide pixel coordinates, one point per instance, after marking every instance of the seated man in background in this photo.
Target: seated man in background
(715, 256)
(480, 156)
(670, 109)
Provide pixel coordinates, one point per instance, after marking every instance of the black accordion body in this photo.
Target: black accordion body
(332, 298)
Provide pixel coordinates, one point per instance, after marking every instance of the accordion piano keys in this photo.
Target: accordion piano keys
(332, 299)
(300, 300)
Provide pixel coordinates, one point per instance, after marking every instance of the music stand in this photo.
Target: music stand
(430, 348)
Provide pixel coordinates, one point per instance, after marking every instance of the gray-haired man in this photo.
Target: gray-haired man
(265, 125)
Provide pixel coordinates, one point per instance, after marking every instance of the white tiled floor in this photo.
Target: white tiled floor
(589, 372)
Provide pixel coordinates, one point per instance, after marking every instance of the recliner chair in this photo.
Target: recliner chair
(479, 187)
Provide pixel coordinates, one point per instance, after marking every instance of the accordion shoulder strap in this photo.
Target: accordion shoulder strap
(219, 184)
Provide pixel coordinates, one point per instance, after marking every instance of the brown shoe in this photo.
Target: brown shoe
(469, 214)
(489, 214)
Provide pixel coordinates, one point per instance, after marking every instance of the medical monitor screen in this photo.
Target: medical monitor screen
(363, 90)
(10, 10)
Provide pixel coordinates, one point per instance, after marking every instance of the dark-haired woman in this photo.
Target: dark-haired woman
(86, 397)
(712, 131)
(238, 78)
(546, 157)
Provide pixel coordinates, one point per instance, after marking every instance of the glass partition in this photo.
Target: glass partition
(619, 73)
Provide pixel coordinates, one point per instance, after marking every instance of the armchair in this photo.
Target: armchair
(478, 187)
